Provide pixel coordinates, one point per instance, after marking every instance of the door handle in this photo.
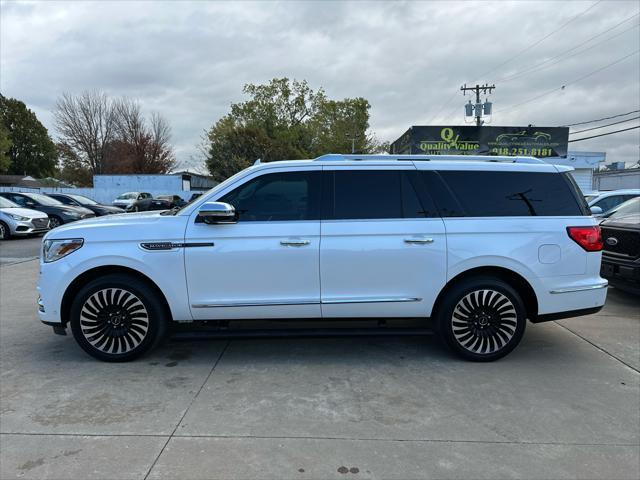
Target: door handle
(294, 243)
(418, 240)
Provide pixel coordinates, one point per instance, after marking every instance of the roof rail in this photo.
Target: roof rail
(337, 157)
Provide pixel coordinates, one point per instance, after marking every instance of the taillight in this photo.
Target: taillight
(589, 238)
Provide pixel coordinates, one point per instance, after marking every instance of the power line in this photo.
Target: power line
(601, 119)
(562, 87)
(558, 58)
(602, 126)
(604, 134)
(539, 41)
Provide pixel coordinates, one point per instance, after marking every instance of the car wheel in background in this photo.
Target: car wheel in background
(54, 221)
(117, 318)
(481, 319)
(5, 233)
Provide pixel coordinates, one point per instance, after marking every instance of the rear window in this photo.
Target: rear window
(513, 194)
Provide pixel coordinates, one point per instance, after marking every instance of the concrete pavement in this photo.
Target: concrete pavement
(564, 404)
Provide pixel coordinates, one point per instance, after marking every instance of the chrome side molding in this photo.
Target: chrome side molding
(285, 302)
(597, 286)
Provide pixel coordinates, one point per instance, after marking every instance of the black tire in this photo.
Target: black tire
(117, 318)
(54, 221)
(5, 233)
(481, 318)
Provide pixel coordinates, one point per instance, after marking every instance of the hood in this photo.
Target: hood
(25, 212)
(119, 227)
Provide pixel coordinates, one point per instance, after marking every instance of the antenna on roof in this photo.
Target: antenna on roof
(257, 162)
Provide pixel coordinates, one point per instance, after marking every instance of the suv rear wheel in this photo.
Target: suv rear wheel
(482, 319)
(117, 318)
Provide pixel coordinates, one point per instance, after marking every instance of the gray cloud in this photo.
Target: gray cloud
(189, 60)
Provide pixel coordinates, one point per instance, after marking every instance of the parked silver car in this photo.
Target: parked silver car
(18, 221)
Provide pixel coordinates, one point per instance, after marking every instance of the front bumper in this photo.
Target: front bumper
(29, 227)
(621, 272)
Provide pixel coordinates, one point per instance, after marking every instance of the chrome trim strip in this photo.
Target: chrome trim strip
(276, 303)
(580, 289)
(155, 246)
(370, 300)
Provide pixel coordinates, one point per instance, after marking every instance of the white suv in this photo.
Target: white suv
(477, 244)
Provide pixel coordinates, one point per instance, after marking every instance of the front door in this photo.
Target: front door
(267, 264)
(383, 249)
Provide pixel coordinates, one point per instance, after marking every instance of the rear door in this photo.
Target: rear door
(383, 247)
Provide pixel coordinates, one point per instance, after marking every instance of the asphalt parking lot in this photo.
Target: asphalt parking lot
(565, 404)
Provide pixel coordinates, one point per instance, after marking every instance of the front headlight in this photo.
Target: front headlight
(73, 214)
(19, 218)
(53, 250)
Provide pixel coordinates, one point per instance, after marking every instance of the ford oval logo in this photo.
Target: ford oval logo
(611, 241)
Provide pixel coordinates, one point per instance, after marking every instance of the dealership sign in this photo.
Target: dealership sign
(539, 142)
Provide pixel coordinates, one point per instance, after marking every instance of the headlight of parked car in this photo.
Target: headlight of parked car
(53, 250)
(19, 218)
(73, 214)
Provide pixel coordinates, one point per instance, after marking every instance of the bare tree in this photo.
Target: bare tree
(113, 136)
(86, 123)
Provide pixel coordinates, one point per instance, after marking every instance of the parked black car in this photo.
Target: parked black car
(86, 202)
(147, 204)
(57, 211)
(621, 253)
(175, 200)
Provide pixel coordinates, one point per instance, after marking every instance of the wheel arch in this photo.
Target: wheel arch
(517, 281)
(96, 272)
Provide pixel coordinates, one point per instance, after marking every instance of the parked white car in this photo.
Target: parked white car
(477, 244)
(607, 201)
(17, 221)
(126, 200)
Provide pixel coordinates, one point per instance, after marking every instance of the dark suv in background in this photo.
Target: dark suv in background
(58, 213)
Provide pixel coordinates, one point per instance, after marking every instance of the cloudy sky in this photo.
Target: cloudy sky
(189, 60)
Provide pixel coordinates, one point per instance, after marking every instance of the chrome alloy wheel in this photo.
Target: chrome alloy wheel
(114, 320)
(484, 321)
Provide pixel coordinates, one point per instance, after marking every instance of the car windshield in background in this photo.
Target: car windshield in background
(630, 207)
(83, 200)
(127, 196)
(6, 203)
(43, 199)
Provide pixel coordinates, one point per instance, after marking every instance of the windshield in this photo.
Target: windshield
(630, 207)
(6, 203)
(83, 200)
(127, 196)
(43, 199)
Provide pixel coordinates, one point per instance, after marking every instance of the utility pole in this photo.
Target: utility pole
(353, 139)
(479, 107)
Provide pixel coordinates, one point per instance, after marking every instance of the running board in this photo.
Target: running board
(223, 333)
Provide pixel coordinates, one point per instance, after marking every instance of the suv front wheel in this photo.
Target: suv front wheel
(481, 319)
(117, 318)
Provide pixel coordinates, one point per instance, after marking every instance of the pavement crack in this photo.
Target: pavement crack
(222, 352)
(598, 347)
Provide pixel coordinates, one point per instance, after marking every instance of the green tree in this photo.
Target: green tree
(5, 145)
(286, 119)
(32, 152)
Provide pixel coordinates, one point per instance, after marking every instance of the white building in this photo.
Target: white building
(584, 163)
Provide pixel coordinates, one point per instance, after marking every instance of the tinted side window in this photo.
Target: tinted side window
(497, 194)
(277, 197)
(608, 203)
(366, 194)
(369, 194)
(64, 200)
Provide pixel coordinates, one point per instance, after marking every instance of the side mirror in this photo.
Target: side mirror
(217, 212)
(596, 210)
